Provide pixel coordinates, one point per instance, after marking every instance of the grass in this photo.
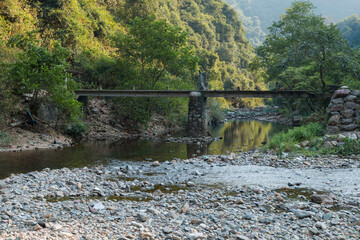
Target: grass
(288, 141)
(291, 141)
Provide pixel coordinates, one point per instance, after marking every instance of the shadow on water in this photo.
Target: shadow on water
(237, 136)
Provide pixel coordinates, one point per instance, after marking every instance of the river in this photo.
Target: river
(236, 136)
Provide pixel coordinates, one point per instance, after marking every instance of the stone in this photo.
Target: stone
(37, 227)
(337, 108)
(322, 199)
(350, 98)
(346, 121)
(328, 145)
(305, 143)
(146, 235)
(320, 225)
(349, 127)
(353, 136)
(356, 93)
(341, 93)
(302, 213)
(241, 237)
(337, 101)
(334, 120)
(155, 164)
(352, 105)
(332, 129)
(190, 184)
(341, 137)
(348, 113)
(98, 206)
(142, 217)
(167, 230)
(196, 236)
(185, 208)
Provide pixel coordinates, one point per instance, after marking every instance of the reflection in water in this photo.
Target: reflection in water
(242, 136)
(237, 135)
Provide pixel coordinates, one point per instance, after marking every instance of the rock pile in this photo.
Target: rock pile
(344, 111)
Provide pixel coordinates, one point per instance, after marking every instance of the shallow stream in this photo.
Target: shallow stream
(236, 136)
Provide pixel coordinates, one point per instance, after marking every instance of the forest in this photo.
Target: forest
(258, 15)
(50, 48)
(121, 44)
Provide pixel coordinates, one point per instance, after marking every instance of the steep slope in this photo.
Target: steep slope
(86, 28)
(258, 15)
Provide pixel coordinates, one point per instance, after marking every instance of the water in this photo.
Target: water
(237, 136)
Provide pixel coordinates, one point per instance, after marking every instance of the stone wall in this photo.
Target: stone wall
(344, 111)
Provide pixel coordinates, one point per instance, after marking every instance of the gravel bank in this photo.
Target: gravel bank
(177, 200)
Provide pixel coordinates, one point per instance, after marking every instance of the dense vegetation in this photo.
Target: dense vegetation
(120, 44)
(258, 15)
(350, 29)
(302, 52)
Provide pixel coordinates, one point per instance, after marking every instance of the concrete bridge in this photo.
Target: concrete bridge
(197, 115)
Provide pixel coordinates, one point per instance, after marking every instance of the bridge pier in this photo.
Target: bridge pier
(197, 115)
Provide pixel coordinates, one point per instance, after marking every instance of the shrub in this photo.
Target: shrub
(4, 139)
(77, 129)
(349, 147)
(285, 141)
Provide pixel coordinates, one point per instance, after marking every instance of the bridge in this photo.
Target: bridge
(187, 93)
(197, 114)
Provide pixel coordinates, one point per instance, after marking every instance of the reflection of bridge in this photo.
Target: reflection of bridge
(197, 116)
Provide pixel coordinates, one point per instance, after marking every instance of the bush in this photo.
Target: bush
(349, 147)
(216, 113)
(4, 139)
(285, 141)
(77, 129)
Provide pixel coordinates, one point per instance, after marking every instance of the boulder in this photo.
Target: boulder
(348, 113)
(337, 101)
(341, 93)
(352, 105)
(349, 127)
(334, 120)
(346, 121)
(322, 199)
(350, 98)
(337, 108)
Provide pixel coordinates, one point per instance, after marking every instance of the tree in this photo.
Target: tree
(155, 48)
(350, 29)
(302, 52)
(41, 74)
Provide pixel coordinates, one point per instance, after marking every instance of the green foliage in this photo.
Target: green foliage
(77, 129)
(349, 147)
(258, 15)
(303, 53)
(155, 48)
(350, 29)
(216, 113)
(285, 141)
(4, 139)
(39, 72)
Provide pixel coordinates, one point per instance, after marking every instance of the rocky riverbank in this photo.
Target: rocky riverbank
(202, 198)
(262, 114)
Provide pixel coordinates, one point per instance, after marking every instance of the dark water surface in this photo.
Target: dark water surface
(237, 136)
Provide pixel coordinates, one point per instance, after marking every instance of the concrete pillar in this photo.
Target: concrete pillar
(197, 115)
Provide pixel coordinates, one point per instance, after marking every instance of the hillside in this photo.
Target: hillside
(94, 33)
(258, 15)
(350, 29)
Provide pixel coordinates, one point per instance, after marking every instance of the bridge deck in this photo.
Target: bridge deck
(186, 93)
